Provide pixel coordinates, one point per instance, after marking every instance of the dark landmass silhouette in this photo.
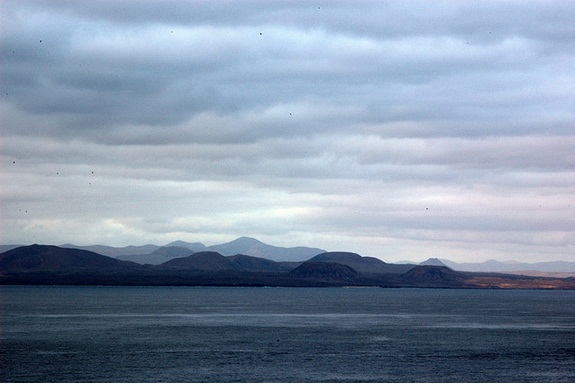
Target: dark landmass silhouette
(365, 265)
(37, 258)
(328, 272)
(53, 265)
(202, 261)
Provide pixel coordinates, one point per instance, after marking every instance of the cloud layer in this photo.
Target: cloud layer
(397, 130)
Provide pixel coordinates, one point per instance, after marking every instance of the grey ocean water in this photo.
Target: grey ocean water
(191, 334)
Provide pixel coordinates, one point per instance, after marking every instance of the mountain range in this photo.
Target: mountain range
(507, 266)
(155, 255)
(48, 264)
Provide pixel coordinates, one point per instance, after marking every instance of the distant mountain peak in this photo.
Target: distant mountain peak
(244, 238)
(255, 248)
(244, 241)
(433, 262)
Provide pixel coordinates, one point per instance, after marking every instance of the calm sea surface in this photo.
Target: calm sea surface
(192, 334)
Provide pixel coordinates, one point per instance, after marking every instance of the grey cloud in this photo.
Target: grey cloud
(397, 127)
(146, 75)
(524, 152)
(378, 18)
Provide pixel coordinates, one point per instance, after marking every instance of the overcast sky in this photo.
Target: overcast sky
(400, 130)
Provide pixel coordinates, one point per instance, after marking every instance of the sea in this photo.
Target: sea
(275, 334)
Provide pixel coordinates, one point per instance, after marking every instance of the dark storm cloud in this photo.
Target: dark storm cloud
(147, 72)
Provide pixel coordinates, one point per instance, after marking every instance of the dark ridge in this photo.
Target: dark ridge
(204, 260)
(433, 276)
(249, 263)
(326, 271)
(364, 265)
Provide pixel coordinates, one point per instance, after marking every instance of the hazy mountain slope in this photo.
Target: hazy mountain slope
(114, 252)
(196, 246)
(158, 256)
(496, 266)
(243, 245)
(255, 248)
(433, 262)
(4, 248)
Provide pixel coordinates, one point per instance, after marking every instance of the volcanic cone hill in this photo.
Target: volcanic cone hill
(364, 265)
(326, 271)
(203, 260)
